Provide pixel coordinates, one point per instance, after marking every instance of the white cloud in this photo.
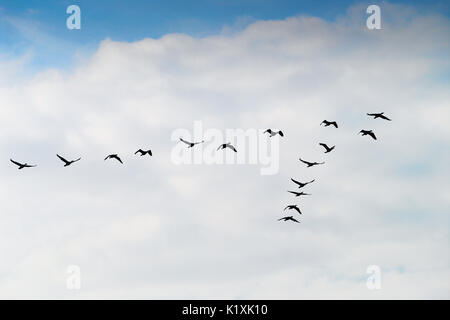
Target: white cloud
(152, 229)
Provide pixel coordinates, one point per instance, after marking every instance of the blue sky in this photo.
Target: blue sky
(39, 26)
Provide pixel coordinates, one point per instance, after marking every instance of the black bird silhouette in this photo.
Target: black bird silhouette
(379, 115)
(191, 144)
(143, 152)
(274, 133)
(327, 148)
(329, 123)
(227, 145)
(298, 194)
(22, 165)
(302, 184)
(311, 164)
(67, 162)
(291, 218)
(368, 132)
(114, 156)
(293, 207)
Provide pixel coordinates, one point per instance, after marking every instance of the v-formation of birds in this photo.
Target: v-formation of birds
(228, 145)
(309, 164)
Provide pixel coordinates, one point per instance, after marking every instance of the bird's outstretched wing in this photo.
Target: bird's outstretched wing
(232, 148)
(305, 162)
(139, 151)
(107, 158)
(324, 145)
(77, 160)
(295, 220)
(118, 159)
(384, 117)
(62, 159)
(296, 182)
(293, 192)
(188, 143)
(372, 135)
(281, 133)
(150, 152)
(16, 163)
(298, 210)
(334, 123)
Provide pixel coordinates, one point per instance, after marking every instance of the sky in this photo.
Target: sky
(153, 228)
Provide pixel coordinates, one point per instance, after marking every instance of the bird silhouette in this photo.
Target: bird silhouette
(227, 145)
(67, 162)
(298, 194)
(290, 218)
(274, 133)
(368, 132)
(143, 152)
(329, 123)
(114, 156)
(191, 144)
(22, 165)
(311, 164)
(327, 148)
(379, 115)
(302, 184)
(293, 207)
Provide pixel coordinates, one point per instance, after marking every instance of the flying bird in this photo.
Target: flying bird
(327, 148)
(191, 144)
(22, 165)
(291, 218)
(114, 156)
(298, 194)
(227, 145)
(274, 133)
(67, 162)
(368, 132)
(302, 184)
(311, 164)
(143, 152)
(329, 123)
(293, 207)
(379, 115)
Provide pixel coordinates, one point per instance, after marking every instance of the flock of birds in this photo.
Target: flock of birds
(228, 145)
(328, 149)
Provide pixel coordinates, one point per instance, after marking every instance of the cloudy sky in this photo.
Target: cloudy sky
(135, 77)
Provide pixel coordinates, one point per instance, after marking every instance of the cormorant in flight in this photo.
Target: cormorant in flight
(368, 132)
(327, 148)
(293, 207)
(67, 162)
(22, 165)
(379, 115)
(311, 164)
(114, 156)
(329, 123)
(291, 218)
